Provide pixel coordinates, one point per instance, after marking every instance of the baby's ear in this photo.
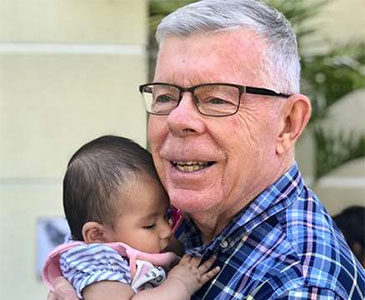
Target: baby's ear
(94, 232)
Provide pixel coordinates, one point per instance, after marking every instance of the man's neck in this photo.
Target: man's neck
(209, 226)
(212, 223)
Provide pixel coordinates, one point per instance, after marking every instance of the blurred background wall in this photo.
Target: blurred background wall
(69, 72)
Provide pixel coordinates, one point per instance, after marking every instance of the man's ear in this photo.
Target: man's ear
(94, 232)
(296, 113)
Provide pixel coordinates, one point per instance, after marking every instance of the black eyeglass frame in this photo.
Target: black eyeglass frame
(241, 88)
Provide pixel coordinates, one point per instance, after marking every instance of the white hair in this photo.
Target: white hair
(281, 58)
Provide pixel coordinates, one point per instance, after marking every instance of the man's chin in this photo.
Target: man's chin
(192, 202)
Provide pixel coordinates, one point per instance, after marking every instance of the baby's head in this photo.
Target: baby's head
(112, 193)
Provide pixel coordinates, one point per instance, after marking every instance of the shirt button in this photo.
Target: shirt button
(224, 244)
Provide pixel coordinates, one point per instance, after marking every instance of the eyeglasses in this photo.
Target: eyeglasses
(210, 99)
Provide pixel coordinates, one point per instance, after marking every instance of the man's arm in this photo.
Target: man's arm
(63, 290)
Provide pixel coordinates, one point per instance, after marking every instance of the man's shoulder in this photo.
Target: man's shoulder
(321, 257)
(296, 249)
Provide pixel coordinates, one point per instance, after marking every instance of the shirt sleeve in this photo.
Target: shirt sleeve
(90, 263)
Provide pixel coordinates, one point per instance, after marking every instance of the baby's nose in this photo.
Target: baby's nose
(166, 231)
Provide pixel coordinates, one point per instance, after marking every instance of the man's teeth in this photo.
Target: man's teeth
(190, 166)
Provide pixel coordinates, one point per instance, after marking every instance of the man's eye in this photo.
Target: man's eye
(164, 99)
(149, 226)
(213, 101)
(216, 101)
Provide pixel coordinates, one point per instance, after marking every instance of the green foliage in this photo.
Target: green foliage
(298, 12)
(160, 8)
(336, 149)
(327, 77)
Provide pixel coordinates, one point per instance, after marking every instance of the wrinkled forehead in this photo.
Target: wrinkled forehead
(227, 56)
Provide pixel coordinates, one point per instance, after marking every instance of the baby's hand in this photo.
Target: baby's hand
(191, 274)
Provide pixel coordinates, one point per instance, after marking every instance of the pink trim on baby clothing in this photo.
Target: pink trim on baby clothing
(52, 269)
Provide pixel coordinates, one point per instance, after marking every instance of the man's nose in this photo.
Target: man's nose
(185, 118)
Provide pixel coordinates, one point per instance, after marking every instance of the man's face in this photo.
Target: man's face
(214, 164)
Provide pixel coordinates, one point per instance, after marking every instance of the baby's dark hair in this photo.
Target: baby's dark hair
(94, 176)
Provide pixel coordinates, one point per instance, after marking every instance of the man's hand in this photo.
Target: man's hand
(63, 290)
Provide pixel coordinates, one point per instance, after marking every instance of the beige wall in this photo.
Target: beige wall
(69, 72)
(343, 20)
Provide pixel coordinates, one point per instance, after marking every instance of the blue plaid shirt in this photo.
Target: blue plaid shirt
(284, 245)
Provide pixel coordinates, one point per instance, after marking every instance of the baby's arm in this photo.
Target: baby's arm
(110, 290)
(182, 282)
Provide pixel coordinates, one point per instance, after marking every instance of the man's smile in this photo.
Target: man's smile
(191, 166)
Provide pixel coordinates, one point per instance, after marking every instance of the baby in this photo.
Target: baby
(117, 211)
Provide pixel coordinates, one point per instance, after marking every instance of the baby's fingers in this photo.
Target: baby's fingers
(209, 275)
(185, 259)
(205, 266)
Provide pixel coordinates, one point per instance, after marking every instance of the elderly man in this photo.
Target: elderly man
(225, 113)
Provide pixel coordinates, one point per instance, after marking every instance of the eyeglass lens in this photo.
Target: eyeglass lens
(214, 100)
